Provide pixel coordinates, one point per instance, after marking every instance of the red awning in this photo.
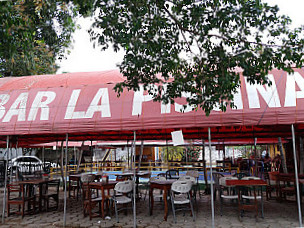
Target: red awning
(84, 105)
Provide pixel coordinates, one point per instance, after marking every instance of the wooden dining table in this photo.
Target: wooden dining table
(138, 174)
(102, 186)
(166, 187)
(36, 182)
(77, 179)
(248, 183)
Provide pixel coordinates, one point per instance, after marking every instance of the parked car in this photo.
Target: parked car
(26, 164)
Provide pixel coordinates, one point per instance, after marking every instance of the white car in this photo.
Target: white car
(27, 164)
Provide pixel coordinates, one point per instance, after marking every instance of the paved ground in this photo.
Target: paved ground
(276, 215)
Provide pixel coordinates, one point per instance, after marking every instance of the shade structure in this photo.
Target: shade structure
(44, 108)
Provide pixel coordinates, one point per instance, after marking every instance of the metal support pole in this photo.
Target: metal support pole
(211, 179)
(128, 154)
(5, 180)
(43, 160)
(296, 174)
(255, 158)
(65, 180)
(134, 184)
(92, 157)
(282, 155)
(301, 156)
(141, 153)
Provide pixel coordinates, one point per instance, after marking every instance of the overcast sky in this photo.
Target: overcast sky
(84, 58)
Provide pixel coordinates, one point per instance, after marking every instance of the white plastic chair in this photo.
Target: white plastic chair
(229, 196)
(253, 197)
(126, 189)
(195, 174)
(182, 188)
(157, 195)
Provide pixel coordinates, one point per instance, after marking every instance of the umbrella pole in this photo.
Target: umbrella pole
(134, 185)
(255, 158)
(128, 154)
(65, 180)
(296, 174)
(211, 179)
(5, 180)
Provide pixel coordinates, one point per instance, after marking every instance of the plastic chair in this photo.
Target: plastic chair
(159, 194)
(231, 193)
(249, 198)
(217, 187)
(240, 175)
(195, 174)
(125, 188)
(172, 174)
(180, 195)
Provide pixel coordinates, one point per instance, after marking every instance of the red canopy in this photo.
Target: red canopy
(44, 108)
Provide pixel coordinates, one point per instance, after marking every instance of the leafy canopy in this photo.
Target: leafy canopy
(196, 46)
(33, 33)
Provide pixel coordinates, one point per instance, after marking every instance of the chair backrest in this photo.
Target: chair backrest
(124, 186)
(240, 175)
(87, 178)
(162, 175)
(251, 178)
(192, 173)
(171, 173)
(181, 186)
(216, 178)
(274, 176)
(157, 178)
(187, 178)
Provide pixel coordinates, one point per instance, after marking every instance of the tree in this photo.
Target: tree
(197, 46)
(33, 34)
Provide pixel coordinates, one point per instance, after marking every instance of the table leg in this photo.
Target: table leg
(40, 197)
(151, 200)
(166, 204)
(102, 203)
(78, 186)
(69, 187)
(262, 203)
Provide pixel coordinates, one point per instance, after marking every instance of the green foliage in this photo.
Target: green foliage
(33, 34)
(173, 153)
(191, 153)
(197, 46)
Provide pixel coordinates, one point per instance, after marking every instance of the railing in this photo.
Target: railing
(150, 166)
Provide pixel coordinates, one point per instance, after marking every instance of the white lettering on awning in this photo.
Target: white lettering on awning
(43, 105)
(268, 93)
(18, 108)
(291, 95)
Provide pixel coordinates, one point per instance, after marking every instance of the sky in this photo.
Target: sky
(84, 58)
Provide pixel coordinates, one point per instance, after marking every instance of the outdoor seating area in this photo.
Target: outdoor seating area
(242, 201)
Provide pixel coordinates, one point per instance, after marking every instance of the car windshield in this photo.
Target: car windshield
(26, 159)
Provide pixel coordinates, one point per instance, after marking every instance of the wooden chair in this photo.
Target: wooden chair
(50, 191)
(19, 195)
(273, 182)
(90, 198)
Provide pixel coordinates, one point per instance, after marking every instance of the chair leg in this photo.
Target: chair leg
(116, 212)
(173, 208)
(8, 209)
(22, 209)
(192, 211)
